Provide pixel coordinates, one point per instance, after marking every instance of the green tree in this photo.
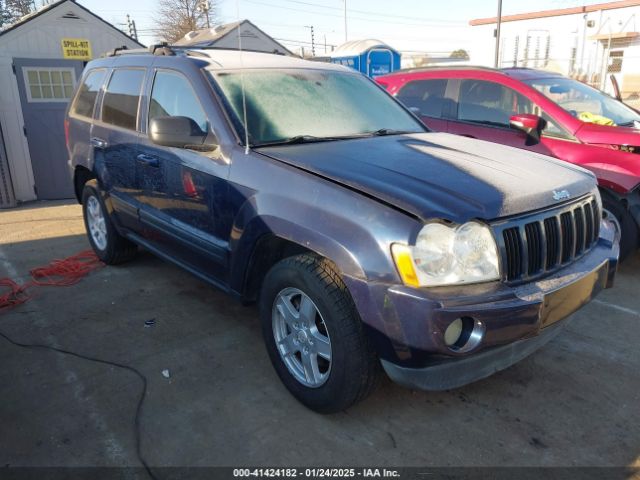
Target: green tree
(460, 53)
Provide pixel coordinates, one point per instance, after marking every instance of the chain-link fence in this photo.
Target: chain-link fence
(608, 62)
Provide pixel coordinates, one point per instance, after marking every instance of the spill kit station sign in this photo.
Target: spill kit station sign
(76, 48)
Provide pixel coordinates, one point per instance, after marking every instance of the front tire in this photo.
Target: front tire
(110, 247)
(629, 235)
(314, 335)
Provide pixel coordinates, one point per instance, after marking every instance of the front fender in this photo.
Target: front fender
(360, 249)
(330, 234)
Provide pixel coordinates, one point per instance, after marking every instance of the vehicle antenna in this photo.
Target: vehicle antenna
(244, 98)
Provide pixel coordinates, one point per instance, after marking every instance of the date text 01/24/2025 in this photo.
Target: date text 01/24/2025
(316, 472)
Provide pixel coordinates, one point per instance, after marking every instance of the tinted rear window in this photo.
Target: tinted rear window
(120, 104)
(425, 95)
(86, 98)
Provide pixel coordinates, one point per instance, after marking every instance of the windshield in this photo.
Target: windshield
(586, 103)
(295, 106)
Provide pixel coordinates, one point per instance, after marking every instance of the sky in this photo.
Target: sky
(429, 26)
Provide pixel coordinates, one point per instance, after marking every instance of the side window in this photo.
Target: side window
(488, 103)
(84, 103)
(425, 95)
(493, 104)
(173, 96)
(553, 130)
(120, 104)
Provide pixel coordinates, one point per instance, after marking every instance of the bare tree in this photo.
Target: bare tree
(13, 10)
(176, 18)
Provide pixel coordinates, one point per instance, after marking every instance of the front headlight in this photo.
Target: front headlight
(448, 255)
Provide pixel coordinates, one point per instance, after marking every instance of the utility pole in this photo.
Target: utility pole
(499, 21)
(345, 21)
(313, 42)
(131, 25)
(204, 7)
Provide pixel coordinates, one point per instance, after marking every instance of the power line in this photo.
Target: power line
(423, 24)
(365, 12)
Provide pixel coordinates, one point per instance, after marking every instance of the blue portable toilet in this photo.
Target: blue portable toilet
(371, 57)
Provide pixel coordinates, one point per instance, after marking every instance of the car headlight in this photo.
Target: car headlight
(448, 255)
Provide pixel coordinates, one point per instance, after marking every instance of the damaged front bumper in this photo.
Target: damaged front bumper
(515, 320)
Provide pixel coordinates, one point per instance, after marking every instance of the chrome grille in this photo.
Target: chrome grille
(540, 243)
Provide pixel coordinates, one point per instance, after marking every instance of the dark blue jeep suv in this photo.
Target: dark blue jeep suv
(366, 240)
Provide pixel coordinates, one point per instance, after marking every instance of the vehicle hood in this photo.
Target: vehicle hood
(438, 175)
(604, 134)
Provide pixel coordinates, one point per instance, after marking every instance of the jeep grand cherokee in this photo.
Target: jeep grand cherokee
(366, 240)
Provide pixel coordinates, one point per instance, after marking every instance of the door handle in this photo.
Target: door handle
(98, 142)
(148, 160)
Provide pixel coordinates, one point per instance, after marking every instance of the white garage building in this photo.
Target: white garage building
(589, 42)
(41, 59)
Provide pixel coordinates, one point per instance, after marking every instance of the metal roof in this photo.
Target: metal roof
(234, 59)
(558, 12)
(229, 59)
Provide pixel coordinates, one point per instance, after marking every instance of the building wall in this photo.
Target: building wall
(41, 38)
(562, 43)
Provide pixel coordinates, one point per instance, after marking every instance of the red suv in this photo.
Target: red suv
(539, 111)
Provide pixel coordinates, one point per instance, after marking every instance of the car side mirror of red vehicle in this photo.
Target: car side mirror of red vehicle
(530, 124)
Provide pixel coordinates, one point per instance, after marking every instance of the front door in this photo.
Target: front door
(45, 87)
(183, 191)
(483, 112)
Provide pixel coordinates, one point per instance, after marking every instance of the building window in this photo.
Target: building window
(49, 84)
(615, 61)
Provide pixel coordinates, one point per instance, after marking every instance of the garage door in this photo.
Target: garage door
(45, 86)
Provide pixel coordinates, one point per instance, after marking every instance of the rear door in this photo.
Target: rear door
(45, 87)
(114, 139)
(427, 98)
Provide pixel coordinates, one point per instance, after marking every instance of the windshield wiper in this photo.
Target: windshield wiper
(313, 139)
(297, 139)
(388, 131)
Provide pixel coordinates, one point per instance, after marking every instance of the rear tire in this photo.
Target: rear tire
(110, 247)
(323, 321)
(629, 235)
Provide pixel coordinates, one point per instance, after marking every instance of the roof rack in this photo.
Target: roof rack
(115, 51)
(164, 49)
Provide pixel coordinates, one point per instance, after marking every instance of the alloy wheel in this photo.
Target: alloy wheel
(301, 337)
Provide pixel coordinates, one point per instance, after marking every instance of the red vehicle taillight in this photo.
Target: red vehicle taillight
(66, 132)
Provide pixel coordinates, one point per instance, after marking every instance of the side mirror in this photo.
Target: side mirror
(180, 132)
(530, 124)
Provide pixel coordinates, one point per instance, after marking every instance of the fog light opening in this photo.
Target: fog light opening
(464, 334)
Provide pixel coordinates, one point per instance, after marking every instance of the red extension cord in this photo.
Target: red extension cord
(59, 273)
